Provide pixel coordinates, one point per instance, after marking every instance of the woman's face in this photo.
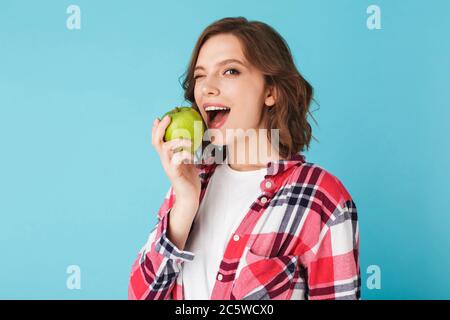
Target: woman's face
(224, 78)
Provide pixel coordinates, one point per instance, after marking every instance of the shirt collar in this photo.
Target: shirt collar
(279, 166)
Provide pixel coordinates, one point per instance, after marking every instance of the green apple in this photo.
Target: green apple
(185, 123)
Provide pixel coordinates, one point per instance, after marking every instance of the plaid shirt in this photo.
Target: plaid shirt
(299, 240)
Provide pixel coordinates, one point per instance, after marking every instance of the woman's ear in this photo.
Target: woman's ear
(271, 96)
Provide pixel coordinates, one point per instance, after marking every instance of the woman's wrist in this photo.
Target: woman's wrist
(189, 201)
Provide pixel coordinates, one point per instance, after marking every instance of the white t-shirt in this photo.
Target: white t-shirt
(227, 200)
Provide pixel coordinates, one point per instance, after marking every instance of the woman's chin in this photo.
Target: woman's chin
(217, 137)
(217, 142)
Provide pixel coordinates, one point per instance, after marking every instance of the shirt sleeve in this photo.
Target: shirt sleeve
(332, 264)
(159, 262)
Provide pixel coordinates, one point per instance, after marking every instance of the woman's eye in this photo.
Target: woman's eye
(234, 70)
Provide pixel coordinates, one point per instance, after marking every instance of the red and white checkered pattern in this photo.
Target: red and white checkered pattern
(299, 240)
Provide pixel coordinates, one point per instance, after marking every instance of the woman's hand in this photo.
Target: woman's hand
(179, 166)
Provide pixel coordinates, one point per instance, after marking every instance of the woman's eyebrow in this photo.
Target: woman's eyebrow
(224, 62)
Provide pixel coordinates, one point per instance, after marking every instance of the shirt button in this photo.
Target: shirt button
(263, 199)
(220, 277)
(236, 237)
(268, 185)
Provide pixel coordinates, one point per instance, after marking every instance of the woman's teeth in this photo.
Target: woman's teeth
(211, 108)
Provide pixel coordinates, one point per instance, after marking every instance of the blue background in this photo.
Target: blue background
(80, 183)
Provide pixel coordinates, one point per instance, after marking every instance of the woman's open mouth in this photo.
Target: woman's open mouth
(217, 116)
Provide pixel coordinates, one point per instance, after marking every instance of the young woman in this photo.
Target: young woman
(277, 228)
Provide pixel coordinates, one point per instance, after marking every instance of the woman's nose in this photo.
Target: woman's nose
(209, 89)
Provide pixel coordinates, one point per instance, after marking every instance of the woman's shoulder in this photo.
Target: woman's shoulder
(322, 181)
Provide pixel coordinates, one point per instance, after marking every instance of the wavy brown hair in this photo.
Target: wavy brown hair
(267, 50)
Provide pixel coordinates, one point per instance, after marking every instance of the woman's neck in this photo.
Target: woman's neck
(244, 156)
